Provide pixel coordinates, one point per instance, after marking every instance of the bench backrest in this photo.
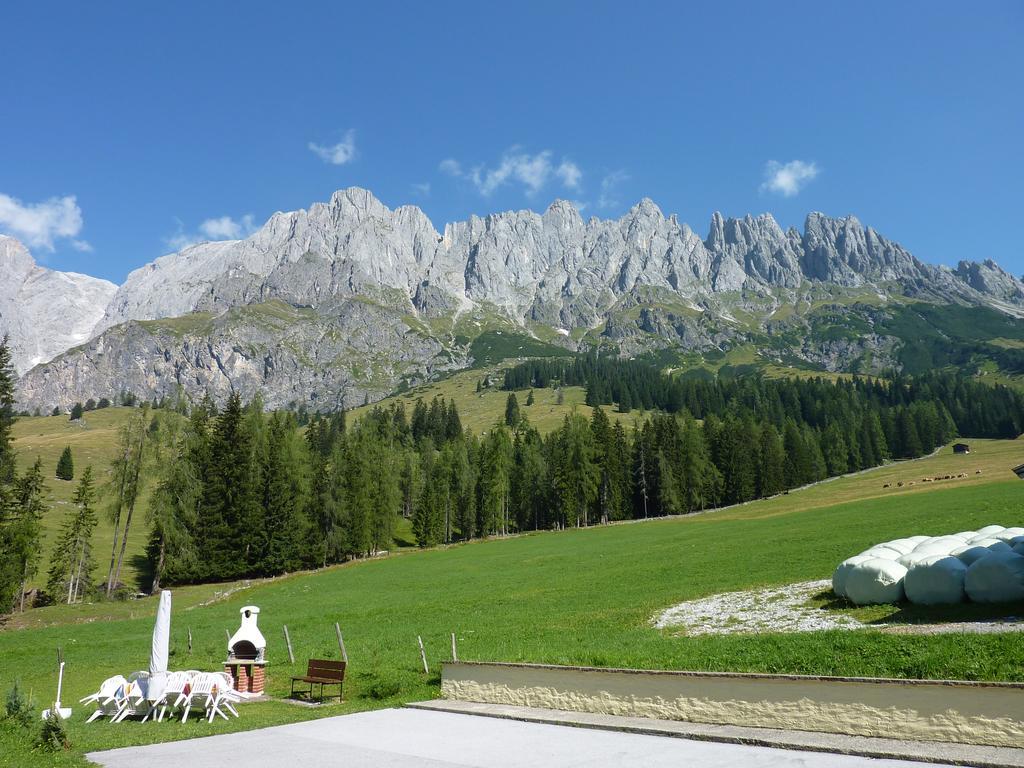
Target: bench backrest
(329, 668)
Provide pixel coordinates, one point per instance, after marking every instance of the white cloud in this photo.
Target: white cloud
(451, 167)
(38, 225)
(226, 228)
(219, 228)
(337, 154)
(532, 172)
(422, 189)
(570, 174)
(609, 184)
(788, 178)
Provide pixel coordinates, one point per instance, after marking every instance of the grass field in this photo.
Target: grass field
(480, 410)
(573, 597)
(93, 441)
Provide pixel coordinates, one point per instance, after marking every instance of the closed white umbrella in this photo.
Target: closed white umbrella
(159, 650)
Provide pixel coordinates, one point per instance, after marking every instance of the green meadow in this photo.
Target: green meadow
(579, 596)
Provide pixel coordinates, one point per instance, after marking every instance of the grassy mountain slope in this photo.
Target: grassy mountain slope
(575, 597)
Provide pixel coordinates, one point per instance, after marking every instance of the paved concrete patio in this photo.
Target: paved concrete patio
(401, 738)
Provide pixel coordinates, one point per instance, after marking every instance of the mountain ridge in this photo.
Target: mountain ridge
(638, 282)
(44, 311)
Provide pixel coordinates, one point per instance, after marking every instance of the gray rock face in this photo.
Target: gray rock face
(45, 312)
(643, 278)
(551, 267)
(990, 279)
(335, 357)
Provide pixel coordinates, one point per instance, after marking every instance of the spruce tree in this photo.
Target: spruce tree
(72, 562)
(25, 528)
(496, 481)
(66, 465)
(285, 485)
(512, 411)
(125, 484)
(529, 399)
(226, 530)
(76, 412)
(576, 474)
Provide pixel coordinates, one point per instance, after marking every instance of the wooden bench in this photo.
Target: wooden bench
(322, 672)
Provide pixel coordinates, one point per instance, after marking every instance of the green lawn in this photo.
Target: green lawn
(93, 441)
(573, 597)
(480, 410)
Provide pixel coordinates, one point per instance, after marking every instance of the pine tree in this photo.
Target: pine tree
(495, 481)
(66, 465)
(175, 504)
(512, 411)
(127, 470)
(224, 528)
(285, 487)
(576, 475)
(25, 529)
(529, 399)
(9, 577)
(76, 412)
(72, 562)
(771, 462)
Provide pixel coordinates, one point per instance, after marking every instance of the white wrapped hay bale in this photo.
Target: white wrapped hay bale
(940, 545)
(915, 540)
(875, 581)
(964, 536)
(1008, 535)
(988, 530)
(909, 559)
(991, 544)
(998, 577)
(935, 580)
(841, 573)
(968, 553)
(903, 546)
(883, 552)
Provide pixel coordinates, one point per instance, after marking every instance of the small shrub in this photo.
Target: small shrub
(19, 707)
(52, 735)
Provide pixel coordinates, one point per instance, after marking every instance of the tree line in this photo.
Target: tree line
(238, 492)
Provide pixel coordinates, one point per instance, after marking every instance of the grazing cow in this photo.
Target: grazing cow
(899, 484)
(977, 471)
(886, 485)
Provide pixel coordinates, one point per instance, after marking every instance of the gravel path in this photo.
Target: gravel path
(785, 609)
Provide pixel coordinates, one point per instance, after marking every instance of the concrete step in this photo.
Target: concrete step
(862, 746)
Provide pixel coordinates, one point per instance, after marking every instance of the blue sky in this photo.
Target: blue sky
(186, 120)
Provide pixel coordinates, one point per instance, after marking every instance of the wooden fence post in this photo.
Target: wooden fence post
(190, 639)
(288, 641)
(423, 655)
(455, 653)
(227, 635)
(341, 643)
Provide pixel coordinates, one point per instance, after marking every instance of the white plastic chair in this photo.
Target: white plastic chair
(174, 690)
(134, 702)
(199, 692)
(108, 698)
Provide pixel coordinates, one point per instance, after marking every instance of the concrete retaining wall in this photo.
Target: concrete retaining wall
(964, 712)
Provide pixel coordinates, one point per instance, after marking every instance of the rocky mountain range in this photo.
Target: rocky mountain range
(346, 301)
(45, 312)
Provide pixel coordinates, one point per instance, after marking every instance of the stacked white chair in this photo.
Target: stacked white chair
(108, 698)
(174, 690)
(135, 702)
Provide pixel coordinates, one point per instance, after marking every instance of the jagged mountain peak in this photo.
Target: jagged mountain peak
(43, 311)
